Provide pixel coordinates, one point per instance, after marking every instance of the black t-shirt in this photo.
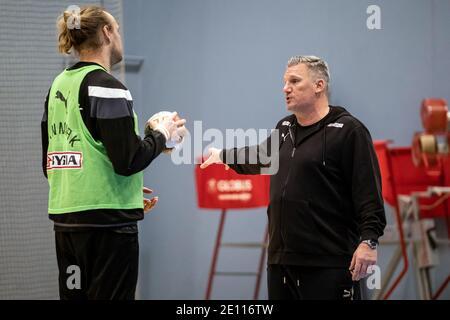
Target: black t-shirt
(300, 132)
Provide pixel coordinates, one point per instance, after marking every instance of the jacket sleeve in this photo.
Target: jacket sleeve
(109, 117)
(362, 174)
(129, 153)
(251, 159)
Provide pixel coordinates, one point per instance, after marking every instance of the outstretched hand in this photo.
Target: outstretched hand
(213, 157)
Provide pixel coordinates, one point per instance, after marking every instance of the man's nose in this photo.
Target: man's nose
(286, 88)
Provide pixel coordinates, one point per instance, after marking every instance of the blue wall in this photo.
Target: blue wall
(222, 62)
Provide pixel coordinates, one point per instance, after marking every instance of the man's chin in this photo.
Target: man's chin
(117, 60)
(294, 107)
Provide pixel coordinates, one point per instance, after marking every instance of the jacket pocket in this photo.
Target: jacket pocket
(299, 229)
(273, 216)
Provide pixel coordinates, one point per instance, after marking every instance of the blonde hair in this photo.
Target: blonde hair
(84, 36)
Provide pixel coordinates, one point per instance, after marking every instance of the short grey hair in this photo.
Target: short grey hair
(317, 66)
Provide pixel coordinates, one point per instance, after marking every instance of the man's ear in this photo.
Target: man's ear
(320, 86)
(106, 31)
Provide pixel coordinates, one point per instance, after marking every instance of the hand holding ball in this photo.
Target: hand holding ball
(170, 125)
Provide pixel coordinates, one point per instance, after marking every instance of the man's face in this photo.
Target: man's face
(299, 88)
(116, 41)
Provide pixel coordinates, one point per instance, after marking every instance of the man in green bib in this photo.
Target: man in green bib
(93, 158)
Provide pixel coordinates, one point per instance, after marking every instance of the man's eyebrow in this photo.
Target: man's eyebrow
(292, 76)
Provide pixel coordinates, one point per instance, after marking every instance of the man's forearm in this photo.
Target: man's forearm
(236, 159)
(129, 154)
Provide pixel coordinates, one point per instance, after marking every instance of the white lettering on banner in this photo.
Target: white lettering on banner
(212, 186)
(229, 185)
(64, 160)
(235, 196)
(234, 185)
(241, 189)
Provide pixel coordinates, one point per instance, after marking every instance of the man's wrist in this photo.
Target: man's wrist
(371, 243)
(164, 131)
(222, 155)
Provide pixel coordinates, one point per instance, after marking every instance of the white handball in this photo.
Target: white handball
(177, 136)
(157, 118)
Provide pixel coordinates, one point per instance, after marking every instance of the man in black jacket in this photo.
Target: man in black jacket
(326, 209)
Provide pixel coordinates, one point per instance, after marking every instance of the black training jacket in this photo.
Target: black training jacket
(326, 196)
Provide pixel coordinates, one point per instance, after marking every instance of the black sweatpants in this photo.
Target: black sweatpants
(99, 264)
(311, 283)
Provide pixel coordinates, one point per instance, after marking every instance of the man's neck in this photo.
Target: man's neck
(99, 58)
(315, 113)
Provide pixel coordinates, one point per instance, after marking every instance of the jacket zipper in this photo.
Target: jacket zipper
(293, 146)
(284, 189)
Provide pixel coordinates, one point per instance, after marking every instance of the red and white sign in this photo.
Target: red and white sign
(218, 188)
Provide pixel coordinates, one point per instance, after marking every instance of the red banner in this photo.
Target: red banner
(218, 188)
(400, 174)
